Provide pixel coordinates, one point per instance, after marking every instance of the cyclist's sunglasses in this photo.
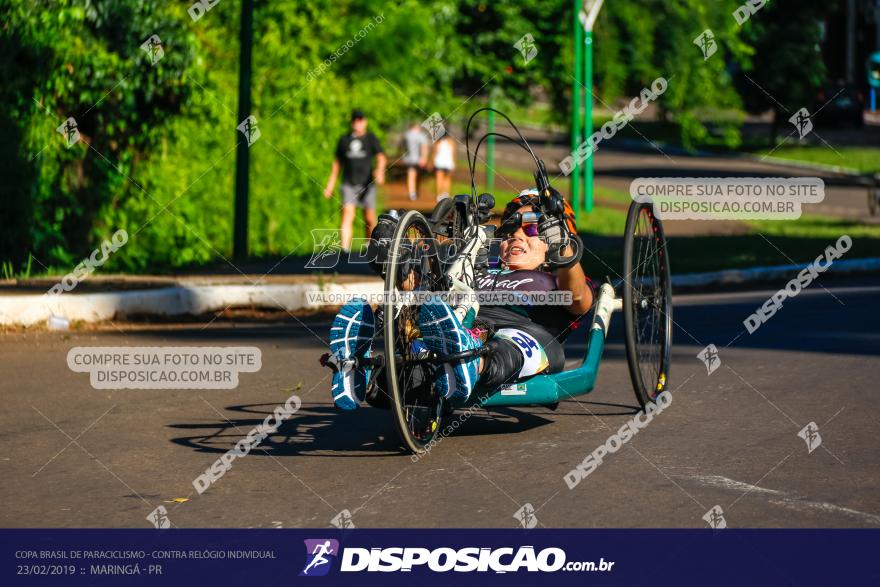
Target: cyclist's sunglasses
(528, 221)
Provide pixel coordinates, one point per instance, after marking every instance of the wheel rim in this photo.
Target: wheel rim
(650, 292)
(418, 409)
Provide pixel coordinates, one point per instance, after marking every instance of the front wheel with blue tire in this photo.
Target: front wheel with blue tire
(647, 303)
(412, 266)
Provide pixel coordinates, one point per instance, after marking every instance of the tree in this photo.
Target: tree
(637, 42)
(83, 60)
(788, 68)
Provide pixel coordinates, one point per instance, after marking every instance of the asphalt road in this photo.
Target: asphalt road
(78, 457)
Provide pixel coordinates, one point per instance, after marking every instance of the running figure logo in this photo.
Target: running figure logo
(328, 248)
(434, 125)
(810, 434)
(706, 42)
(159, 518)
(153, 48)
(802, 122)
(320, 554)
(710, 358)
(342, 520)
(526, 516)
(526, 46)
(70, 131)
(250, 130)
(715, 518)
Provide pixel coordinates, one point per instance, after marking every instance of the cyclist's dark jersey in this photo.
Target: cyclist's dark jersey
(555, 319)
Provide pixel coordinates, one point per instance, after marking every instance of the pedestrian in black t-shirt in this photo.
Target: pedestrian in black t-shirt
(354, 154)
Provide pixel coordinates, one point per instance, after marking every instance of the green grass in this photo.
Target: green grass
(669, 133)
(697, 254)
(536, 114)
(808, 226)
(861, 159)
(7, 270)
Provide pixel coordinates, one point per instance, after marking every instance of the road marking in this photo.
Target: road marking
(726, 483)
(781, 498)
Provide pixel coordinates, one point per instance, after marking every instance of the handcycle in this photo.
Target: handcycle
(443, 251)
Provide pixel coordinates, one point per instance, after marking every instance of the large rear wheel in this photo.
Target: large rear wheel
(647, 303)
(413, 266)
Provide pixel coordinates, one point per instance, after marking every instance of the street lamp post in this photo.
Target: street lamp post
(490, 146)
(576, 87)
(587, 19)
(242, 156)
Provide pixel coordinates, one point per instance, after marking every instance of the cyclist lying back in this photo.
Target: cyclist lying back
(523, 339)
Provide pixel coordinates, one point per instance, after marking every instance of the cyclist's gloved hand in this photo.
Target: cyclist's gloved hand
(559, 230)
(380, 241)
(556, 205)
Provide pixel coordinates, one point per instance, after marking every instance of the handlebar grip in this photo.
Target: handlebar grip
(557, 260)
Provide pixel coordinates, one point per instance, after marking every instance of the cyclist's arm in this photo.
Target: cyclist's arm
(574, 280)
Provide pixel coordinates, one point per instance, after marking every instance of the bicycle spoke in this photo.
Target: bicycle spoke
(648, 286)
(417, 270)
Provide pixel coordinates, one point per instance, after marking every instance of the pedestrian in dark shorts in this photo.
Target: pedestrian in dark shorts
(354, 155)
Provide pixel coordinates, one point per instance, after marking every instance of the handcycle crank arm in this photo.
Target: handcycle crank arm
(463, 265)
(461, 271)
(438, 359)
(373, 362)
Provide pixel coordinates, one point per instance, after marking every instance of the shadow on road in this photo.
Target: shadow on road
(597, 409)
(322, 431)
(314, 430)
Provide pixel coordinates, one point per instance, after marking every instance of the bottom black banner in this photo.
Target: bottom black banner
(465, 556)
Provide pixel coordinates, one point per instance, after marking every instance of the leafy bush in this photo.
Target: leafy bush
(158, 149)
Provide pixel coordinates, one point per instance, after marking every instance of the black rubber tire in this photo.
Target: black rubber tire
(647, 303)
(417, 408)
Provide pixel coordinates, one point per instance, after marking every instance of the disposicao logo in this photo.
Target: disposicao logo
(320, 554)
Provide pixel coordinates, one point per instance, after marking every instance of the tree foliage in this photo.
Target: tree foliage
(787, 68)
(158, 149)
(82, 60)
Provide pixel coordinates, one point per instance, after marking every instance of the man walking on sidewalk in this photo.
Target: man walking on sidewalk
(354, 154)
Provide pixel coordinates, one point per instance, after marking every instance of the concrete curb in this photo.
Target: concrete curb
(183, 299)
(26, 310)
